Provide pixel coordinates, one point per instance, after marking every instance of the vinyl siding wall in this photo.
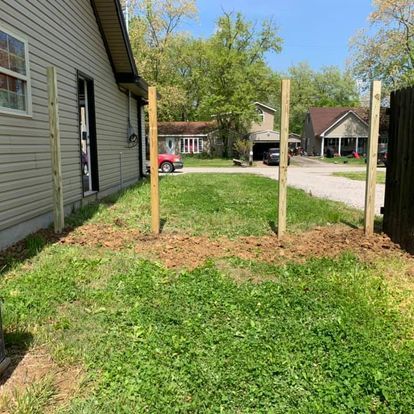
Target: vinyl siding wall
(267, 124)
(65, 34)
(351, 126)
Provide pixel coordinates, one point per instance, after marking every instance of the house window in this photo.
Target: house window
(260, 115)
(191, 145)
(14, 75)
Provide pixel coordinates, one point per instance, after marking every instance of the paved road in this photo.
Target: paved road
(315, 177)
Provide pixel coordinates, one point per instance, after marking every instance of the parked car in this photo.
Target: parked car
(168, 163)
(382, 158)
(272, 157)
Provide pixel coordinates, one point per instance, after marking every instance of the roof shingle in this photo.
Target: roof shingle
(323, 118)
(186, 128)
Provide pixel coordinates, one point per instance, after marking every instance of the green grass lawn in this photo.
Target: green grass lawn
(219, 204)
(344, 160)
(208, 162)
(323, 336)
(361, 176)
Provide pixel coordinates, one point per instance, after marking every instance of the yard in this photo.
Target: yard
(215, 315)
(207, 162)
(362, 176)
(344, 160)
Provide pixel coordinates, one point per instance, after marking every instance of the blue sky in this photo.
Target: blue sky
(316, 31)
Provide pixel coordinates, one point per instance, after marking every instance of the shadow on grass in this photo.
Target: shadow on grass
(350, 224)
(17, 345)
(163, 222)
(35, 243)
(273, 226)
(378, 224)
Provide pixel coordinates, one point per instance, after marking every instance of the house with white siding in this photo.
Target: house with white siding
(101, 100)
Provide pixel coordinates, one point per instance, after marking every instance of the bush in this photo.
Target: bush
(242, 148)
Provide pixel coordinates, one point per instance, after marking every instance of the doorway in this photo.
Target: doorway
(87, 135)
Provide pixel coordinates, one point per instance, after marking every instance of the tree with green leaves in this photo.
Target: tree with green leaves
(155, 40)
(388, 54)
(328, 87)
(233, 73)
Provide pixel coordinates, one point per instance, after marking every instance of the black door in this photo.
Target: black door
(87, 132)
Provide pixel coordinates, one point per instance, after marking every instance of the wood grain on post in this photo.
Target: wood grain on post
(58, 210)
(283, 160)
(153, 132)
(371, 183)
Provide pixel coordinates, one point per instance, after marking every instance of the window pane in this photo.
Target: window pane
(16, 85)
(12, 93)
(12, 54)
(4, 99)
(3, 40)
(13, 101)
(21, 103)
(4, 60)
(16, 47)
(17, 65)
(3, 81)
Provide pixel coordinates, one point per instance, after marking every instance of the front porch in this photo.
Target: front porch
(344, 146)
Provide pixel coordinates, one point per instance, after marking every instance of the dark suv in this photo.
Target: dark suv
(272, 157)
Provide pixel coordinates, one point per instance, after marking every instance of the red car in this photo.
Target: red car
(168, 163)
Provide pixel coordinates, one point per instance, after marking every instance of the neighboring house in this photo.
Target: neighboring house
(187, 137)
(262, 134)
(199, 137)
(101, 98)
(344, 130)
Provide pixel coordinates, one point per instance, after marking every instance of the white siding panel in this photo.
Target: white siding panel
(65, 34)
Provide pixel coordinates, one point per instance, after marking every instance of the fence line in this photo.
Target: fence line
(399, 192)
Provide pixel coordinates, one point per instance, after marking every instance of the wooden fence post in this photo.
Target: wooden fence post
(58, 210)
(153, 132)
(283, 161)
(371, 184)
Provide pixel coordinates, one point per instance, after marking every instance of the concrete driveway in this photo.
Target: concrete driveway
(315, 177)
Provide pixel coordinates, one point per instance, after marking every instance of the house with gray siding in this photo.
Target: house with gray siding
(101, 100)
(341, 130)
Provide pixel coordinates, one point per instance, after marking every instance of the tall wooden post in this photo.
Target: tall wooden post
(371, 183)
(153, 132)
(283, 161)
(58, 211)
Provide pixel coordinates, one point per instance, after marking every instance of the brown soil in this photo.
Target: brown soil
(178, 251)
(28, 369)
(182, 251)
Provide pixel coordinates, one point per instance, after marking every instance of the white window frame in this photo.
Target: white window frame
(261, 115)
(26, 78)
(191, 142)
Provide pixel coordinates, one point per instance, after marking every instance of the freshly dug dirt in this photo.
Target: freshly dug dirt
(190, 252)
(182, 251)
(179, 251)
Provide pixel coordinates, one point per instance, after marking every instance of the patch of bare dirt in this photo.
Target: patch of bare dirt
(179, 251)
(30, 368)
